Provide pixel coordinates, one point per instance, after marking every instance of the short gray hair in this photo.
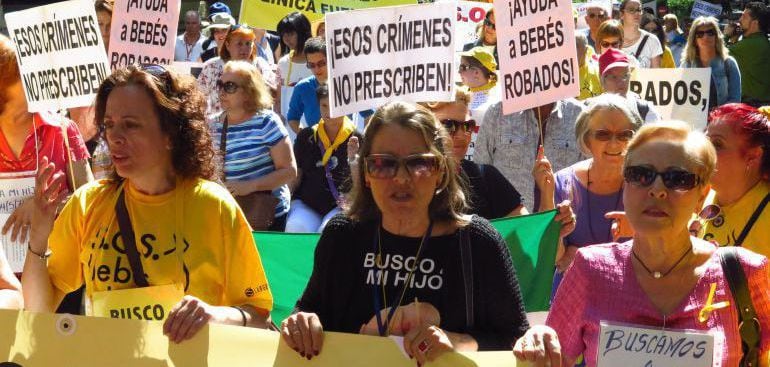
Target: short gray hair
(603, 102)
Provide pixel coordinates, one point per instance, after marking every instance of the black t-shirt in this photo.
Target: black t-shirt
(345, 277)
(314, 189)
(209, 54)
(491, 194)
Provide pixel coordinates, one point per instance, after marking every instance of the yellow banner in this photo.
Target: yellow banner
(267, 13)
(65, 340)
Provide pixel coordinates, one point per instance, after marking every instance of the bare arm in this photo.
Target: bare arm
(10, 288)
(519, 210)
(81, 173)
(655, 62)
(285, 172)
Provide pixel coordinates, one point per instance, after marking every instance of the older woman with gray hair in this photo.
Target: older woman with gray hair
(595, 186)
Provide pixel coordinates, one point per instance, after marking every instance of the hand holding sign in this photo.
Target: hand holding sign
(187, 318)
(50, 191)
(404, 319)
(19, 221)
(540, 345)
(543, 172)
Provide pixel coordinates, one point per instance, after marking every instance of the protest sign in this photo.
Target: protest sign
(14, 189)
(582, 10)
(403, 52)
(702, 8)
(470, 16)
(187, 68)
(60, 54)
(47, 339)
(679, 94)
(288, 260)
(143, 32)
(538, 56)
(267, 13)
(625, 345)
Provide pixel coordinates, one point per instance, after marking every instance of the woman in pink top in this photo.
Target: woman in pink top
(663, 277)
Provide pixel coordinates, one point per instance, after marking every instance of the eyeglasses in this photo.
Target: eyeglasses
(597, 15)
(385, 166)
(319, 64)
(453, 126)
(489, 23)
(633, 10)
(227, 87)
(160, 73)
(606, 44)
(607, 135)
(674, 179)
(618, 78)
(709, 32)
(465, 67)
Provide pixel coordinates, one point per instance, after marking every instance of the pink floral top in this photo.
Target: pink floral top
(211, 72)
(601, 286)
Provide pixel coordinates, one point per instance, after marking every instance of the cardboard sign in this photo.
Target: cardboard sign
(60, 54)
(403, 52)
(470, 16)
(267, 13)
(678, 94)
(187, 68)
(143, 32)
(14, 189)
(623, 345)
(702, 8)
(538, 56)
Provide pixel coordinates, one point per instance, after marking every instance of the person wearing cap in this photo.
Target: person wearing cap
(189, 45)
(487, 36)
(615, 71)
(477, 71)
(216, 33)
(218, 8)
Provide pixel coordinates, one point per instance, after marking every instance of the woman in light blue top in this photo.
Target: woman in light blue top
(705, 48)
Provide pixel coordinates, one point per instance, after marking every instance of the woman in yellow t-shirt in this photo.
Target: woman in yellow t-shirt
(158, 240)
(741, 187)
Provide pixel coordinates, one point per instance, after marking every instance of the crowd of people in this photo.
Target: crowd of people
(650, 210)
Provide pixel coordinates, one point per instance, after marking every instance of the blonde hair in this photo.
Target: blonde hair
(609, 28)
(253, 84)
(697, 146)
(603, 102)
(690, 54)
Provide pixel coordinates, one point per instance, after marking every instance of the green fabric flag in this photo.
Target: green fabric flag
(288, 260)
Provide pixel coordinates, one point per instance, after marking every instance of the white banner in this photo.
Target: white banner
(14, 189)
(538, 56)
(679, 94)
(621, 345)
(470, 16)
(403, 52)
(143, 32)
(702, 8)
(60, 53)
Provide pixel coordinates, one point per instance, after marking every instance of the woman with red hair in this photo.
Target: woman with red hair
(735, 213)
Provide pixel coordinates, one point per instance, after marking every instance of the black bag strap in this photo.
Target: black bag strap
(223, 146)
(752, 220)
(641, 46)
(129, 241)
(748, 324)
(466, 260)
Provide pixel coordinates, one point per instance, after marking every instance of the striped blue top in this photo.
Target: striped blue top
(248, 150)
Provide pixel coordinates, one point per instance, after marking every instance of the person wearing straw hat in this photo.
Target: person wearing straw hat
(477, 72)
(216, 33)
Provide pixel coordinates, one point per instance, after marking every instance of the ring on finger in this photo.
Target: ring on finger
(423, 347)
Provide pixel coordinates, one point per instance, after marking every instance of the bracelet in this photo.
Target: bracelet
(43, 256)
(243, 314)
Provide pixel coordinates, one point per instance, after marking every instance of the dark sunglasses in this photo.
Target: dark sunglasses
(674, 179)
(453, 126)
(606, 44)
(160, 73)
(385, 166)
(709, 32)
(595, 15)
(464, 67)
(319, 64)
(489, 23)
(606, 135)
(227, 87)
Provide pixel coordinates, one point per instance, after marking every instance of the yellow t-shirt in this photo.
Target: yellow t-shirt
(667, 60)
(727, 226)
(194, 236)
(590, 85)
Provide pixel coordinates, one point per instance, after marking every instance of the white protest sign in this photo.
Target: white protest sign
(680, 94)
(470, 16)
(143, 32)
(60, 53)
(582, 10)
(14, 189)
(702, 8)
(187, 68)
(538, 57)
(622, 345)
(403, 52)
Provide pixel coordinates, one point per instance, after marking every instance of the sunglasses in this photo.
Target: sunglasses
(606, 44)
(319, 64)
(453, 126)
(488, 23)
(607, 135)
(618, 78)
(464, 67)
(227, 87)
(701, 34)
(710, 212)
(597, 15)
(385, 166)
(160, 73)
(673, 179)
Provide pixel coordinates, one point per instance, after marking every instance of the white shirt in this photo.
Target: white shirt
(185, 52)
(651, 49)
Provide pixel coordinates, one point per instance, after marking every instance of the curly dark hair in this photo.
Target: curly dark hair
(180, 108)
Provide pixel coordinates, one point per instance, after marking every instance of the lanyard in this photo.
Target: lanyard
(328, 174)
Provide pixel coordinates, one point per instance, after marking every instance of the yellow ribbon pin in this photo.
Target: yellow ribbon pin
(710, 306)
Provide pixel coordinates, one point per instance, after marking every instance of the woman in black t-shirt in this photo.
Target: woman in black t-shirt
(400, 262)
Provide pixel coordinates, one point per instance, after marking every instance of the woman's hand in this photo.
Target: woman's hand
(540, 345)
(405, 318)
(50, 191)
(620, 228)
(426, 342)
(20, 220)
(187, 318)
(239, 188)
(566, 259)
(303, 332)
(543, 172)
(566, 217)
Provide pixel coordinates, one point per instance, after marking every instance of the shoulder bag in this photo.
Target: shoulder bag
(748, 324)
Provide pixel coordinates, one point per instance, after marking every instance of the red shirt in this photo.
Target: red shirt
(50, 144)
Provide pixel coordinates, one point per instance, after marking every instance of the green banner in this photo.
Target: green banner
(288, 260)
